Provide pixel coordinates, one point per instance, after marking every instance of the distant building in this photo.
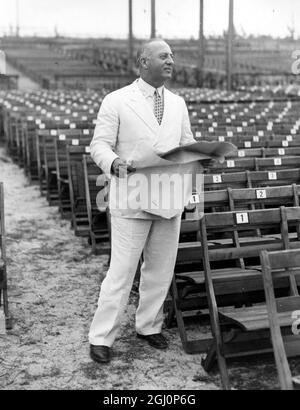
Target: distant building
(2, 62)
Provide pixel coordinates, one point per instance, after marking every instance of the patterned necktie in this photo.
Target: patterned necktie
(158, 107)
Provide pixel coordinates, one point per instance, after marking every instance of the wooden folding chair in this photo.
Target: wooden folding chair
(3, 264)
(98, 216)
(236, 281)
(278, 264)
(245, 331)
(79, 212)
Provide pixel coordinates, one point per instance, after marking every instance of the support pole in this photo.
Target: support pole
(153, 23)
(230, 36)
(130, 38)
(201, 58)
(17, 19)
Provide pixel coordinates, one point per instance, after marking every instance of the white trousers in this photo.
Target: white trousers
(159, 240)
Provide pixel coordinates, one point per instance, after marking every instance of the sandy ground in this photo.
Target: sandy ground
(53, 289)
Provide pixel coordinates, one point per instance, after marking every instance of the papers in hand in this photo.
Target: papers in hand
(201, 150)
(143, 156)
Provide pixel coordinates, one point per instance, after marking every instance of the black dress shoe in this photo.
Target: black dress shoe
(156, 340)
(100, 354)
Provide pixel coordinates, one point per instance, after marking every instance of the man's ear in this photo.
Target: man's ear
(144, 63)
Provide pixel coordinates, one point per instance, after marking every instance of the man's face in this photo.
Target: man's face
(160, 62)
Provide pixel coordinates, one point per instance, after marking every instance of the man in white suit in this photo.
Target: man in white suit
(147, 112)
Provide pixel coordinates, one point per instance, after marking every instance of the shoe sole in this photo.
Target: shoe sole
(156, 347)
(98, 360)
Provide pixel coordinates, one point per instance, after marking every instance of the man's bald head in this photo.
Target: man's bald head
(147, 47)
(155, 61)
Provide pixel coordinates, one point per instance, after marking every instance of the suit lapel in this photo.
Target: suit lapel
(139, 105)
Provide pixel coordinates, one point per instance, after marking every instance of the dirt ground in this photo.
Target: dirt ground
(53, 289)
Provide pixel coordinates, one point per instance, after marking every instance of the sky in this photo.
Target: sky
(174, 18)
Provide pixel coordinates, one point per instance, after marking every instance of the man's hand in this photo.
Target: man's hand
(208, 163)
(120, 168)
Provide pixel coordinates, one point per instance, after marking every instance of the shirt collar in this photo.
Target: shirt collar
(147, 89)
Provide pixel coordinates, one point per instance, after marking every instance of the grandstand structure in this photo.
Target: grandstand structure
(228, 63)
(249, 97)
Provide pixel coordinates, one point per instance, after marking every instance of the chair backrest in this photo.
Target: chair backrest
(75, 171)
(251, 198)
(278, 264)
(2, 227)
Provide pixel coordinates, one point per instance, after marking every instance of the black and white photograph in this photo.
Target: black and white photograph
(149, 198)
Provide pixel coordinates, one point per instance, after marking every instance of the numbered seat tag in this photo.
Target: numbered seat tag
(285, 143)
(230, 164)
(281, 151)
(242, 218)
(256, 138)
(261, 194)
(247, 144)
(221, 139)
(86, 132)
(62, 137)
(272, 175)
(75, 142)
(87, 150)
(277, 161)
(53, 132)
(195, 199)
(241, 153)
(217, 179)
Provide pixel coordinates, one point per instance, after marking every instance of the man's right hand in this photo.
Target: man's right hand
(120, 169)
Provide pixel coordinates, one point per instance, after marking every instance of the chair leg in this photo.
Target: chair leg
(210, 360)
(178, 313)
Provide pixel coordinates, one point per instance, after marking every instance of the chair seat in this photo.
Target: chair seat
(220, 275)
(253, 318)
(246, 240)
(64, 180)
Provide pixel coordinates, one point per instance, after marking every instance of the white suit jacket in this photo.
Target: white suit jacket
(125, 120)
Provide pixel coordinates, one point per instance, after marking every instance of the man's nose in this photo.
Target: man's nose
(170, 60)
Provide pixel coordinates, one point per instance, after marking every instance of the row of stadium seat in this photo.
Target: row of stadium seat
(242, 199)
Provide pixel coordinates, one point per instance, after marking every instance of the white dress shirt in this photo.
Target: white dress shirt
(148, 92)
